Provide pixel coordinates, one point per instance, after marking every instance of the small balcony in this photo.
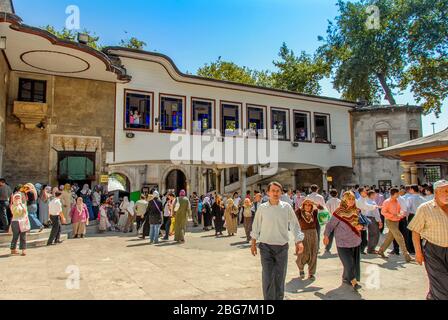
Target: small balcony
(30, 114)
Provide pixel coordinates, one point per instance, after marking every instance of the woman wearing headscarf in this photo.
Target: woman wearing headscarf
(231, 217)
(79, 216)
(181, 215)
(103, 220)
(96, 200)
(247, 218)
(19, 223)
(347, 232)
(207, 213)
(67, 200)
(86, 195)
(31, 200)
(124, 213)
(307, 216)
(44, 201)
(155, 218)
(217, 213)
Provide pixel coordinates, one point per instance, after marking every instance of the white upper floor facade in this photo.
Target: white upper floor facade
(301, 131)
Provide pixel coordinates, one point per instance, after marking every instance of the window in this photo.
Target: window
(413, 134)
(230, 114)
(255, 121)
(432, 174)
(279, 124)
(171, 113)
(301, 126)
(321, 128)
(383, 184)
(382, 140)
(32, 90)
(232, 175)
(202, 115)
(138, 113)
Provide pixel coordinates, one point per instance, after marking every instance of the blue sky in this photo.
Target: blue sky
(194, 32)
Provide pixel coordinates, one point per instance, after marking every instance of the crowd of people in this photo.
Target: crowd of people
(416, 218)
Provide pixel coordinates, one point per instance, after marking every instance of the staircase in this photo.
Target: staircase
(33, 239)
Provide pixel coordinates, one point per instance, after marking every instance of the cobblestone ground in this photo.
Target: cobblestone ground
(120, 266)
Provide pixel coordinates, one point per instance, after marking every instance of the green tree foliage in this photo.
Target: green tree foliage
(408, 49)
(229, 71)
(133, 43)
(72, 35)
(299, 74)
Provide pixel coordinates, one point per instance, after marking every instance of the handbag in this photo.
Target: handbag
(24, 224)
(363, 220)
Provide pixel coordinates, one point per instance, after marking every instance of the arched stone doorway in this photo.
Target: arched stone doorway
(119, 182)
(176, 180)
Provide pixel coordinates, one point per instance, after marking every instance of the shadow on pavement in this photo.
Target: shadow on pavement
(389, 264)
(298, 285)
(328, 256)
(344, 292)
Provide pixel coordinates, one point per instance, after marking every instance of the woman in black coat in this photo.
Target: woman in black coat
(207, 213)
(153, 219)
(218, 214)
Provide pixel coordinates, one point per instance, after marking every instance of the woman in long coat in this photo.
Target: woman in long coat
(231, 217)
(307, 216)
(181, 217)
(207, 211)
(218, 215)
(67, 200)
(44, 200)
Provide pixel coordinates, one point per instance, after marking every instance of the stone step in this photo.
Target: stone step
(40, 242)
(6, 238)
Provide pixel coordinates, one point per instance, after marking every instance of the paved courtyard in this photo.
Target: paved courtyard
(120, 266)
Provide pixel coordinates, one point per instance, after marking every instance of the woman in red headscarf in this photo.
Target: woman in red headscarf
(347, 232)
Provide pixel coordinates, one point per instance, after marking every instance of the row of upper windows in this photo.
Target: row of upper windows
(139, 115)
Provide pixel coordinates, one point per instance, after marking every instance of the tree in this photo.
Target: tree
(229, 71)
(72, 35)
(407, 48)
(299, 74)
(133, 43)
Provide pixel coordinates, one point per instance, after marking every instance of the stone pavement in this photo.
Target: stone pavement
(120, 266)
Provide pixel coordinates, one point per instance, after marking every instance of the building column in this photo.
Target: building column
(219, 179)
(414, 174)
(406, 178)
(324, 179)
(243, 181)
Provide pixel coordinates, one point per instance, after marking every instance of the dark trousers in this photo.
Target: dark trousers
(351, 260)
(383, 219)
(436, 264)
(167, 224)
(274, 263)
(403, 226)
(374, 235)
(318, 236)
(363, 240)
(55, 233)
(4, 215)
(330, 244)
(139, 221)
(408, 239)
(16, 234)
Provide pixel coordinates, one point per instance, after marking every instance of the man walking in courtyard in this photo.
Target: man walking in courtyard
(430, 224)
(5, 193)
(392, 213)
(194, 208)
(271, 226)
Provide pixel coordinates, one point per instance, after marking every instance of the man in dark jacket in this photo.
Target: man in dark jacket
(153, 218)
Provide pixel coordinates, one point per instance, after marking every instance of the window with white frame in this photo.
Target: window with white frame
(322, 128)
(302, 126)
(255, 121)
(279, 124)
(171, 113)
(230, 115)
(138, 110)
(202, 115)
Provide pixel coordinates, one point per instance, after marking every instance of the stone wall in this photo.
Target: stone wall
(76, 108)
(370, 167)
(4, 81)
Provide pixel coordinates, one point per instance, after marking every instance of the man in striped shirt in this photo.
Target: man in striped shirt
(430, 224)
(194, 208)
